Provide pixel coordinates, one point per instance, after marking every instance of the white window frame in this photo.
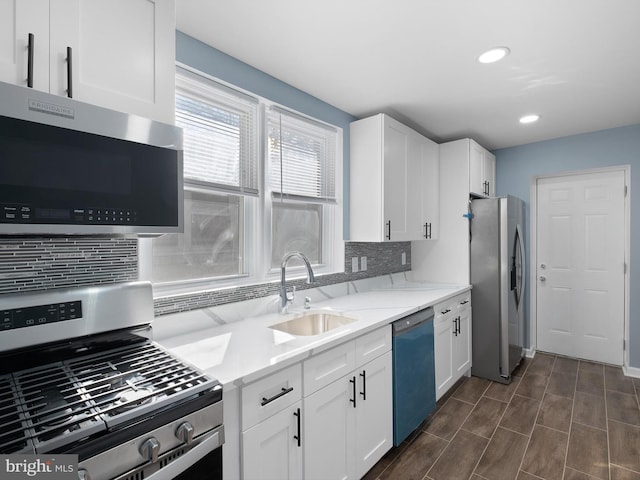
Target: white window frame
(258, 221)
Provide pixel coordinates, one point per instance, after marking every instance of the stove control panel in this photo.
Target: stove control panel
(39, 315)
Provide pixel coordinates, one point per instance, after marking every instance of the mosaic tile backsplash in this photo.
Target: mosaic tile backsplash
(30, 263)
(382, 258)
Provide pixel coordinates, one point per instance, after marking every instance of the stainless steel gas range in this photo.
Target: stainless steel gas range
(79, 374)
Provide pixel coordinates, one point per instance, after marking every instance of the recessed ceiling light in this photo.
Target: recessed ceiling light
(530, 118)
(493, 55)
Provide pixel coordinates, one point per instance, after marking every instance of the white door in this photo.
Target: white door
(374, 413)
(462, 342)
(130, 68)
(329, 429)
(270, 449)
(580, 271)
(443, 352)
(396, 159)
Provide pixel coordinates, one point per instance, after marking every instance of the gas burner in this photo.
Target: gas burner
(56, 409)
(132, 398)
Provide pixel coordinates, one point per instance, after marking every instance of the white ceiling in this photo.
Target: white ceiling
(574, 62)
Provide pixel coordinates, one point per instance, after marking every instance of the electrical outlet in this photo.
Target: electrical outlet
(354, 265)
(404, 258)
(363, 263)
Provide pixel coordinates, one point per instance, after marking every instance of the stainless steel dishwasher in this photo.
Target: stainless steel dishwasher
(414, 386)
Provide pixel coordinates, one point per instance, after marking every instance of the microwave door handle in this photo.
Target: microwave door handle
(30, 47)
(69, 72)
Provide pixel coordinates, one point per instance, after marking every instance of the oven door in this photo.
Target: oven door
(201, 461)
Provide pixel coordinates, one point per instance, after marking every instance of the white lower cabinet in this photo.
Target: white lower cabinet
(337, 427)
(272, 426)
(452, 341)
(348, 424)
(271, 449)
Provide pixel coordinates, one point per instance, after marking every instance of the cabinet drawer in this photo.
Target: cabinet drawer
(372, 345)
(451, 305)
(322, 369)
(269, 395)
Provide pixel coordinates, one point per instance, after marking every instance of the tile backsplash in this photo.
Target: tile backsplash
(41, 263)
(382, 258)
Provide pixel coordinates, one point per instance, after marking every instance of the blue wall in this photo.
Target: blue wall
(619, 146)
(200, 56)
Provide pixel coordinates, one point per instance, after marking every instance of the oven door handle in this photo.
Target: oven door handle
(215, 439)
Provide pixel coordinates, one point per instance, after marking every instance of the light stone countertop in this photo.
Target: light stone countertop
(234, 344)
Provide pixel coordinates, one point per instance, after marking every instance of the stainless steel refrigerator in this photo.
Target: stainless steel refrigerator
(497, 277)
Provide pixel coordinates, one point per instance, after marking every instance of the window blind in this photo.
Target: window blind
(219, 135)
(302, 157)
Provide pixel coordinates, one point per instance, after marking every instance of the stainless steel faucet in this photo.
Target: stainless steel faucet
(285, 298)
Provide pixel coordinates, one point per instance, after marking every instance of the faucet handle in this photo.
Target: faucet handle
(292, 295)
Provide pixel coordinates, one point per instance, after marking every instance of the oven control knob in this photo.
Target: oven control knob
(150, 449)
(83, 474)
(185, 433)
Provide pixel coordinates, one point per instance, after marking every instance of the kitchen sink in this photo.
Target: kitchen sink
(310, 324)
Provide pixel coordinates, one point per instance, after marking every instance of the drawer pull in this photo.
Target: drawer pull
(464, 302)
(283, 392)
(446, 311)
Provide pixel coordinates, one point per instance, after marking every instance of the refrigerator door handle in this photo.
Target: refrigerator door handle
(520, 288)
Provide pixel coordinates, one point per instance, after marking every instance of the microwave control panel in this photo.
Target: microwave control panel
(16, 213)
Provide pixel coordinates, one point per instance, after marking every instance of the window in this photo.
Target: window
(239, 223)
(302, 161)
(220, 173)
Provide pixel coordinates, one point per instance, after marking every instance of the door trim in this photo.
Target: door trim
(533, 214)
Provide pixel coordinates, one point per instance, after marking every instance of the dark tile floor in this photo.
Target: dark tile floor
(559, 419)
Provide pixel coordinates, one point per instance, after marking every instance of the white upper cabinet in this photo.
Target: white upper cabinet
(394, 182)
(122, 51)
(482, 171)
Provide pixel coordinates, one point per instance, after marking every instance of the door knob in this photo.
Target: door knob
(543, 265)
(542, 278)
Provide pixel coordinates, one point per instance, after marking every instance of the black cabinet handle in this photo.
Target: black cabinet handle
(30, 48)
(364, 384)
(298, 437)
(429, 229)
(69, 72)
(353, 382)
(464, 302)
(446, 311)
(388, 235)
(458, 325)
(426, 230)
(284, 391)
(455, 326)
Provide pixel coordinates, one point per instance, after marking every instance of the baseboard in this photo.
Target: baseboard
(631, 371)
(529, 352)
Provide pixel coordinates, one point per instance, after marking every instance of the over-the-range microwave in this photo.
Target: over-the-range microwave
(70, 168)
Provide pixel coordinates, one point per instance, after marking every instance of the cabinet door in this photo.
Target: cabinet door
(443, 351)
(462, 343)
(270, 449)
(429, 190)
(328, 434)
(489, 169)
(396, 164)
(131, 68)
(17, 20)
(374, 413)
(476, 169)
